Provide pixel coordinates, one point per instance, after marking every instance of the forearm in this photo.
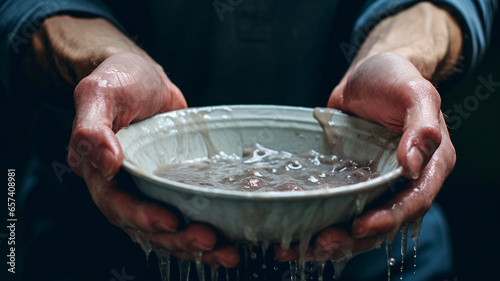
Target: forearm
(425, 34)
(66, 49)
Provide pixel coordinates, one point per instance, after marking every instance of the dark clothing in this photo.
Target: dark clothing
(253, 52)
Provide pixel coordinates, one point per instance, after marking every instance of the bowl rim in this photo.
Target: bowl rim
(158, 181)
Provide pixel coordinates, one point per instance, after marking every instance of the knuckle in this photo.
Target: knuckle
(81, 138)
(423, 90)
(96, 85)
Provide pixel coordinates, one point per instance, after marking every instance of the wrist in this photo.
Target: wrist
(424, 34)
(67, 49)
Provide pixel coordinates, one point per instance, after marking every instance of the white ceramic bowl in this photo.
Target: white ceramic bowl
(257, 216)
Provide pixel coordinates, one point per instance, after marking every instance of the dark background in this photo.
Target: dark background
(470, 196)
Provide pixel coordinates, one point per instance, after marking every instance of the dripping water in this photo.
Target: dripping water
(360, 202)
(388, 249)
(321, 269)
(304, 243)
(164, 263)
(238, 272)
(414, 228)
(293, 270)
(404, 240)
(184, 269)
(339, 264)
(214, 272)
(199, 265)
(265, 245)
(142, 239)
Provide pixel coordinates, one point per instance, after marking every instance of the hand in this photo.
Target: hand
(388, 83)
(124, 88)
(390, 90)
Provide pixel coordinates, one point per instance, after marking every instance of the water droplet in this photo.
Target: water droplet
(253, 255)
(392, 261)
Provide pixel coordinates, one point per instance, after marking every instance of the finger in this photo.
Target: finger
(226, 256)
(414, 201)
(195, 237)
(126, 209)
(336, 99)
(293, 253)
(331, 243)
(335, 242)
(92, 139)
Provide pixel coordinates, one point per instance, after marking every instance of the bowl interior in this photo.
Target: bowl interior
(199, 133)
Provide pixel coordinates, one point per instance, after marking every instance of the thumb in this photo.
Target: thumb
(336, 99)
(421, 131)
(93, 140)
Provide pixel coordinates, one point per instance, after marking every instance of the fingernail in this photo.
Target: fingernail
(198, 246)
(415, 160)
(163, 227)
(105, 162)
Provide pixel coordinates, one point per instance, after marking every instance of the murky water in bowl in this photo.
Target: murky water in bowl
(264, 169)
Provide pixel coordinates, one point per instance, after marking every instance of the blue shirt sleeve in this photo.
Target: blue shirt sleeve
(20, 20)
(475, 18)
